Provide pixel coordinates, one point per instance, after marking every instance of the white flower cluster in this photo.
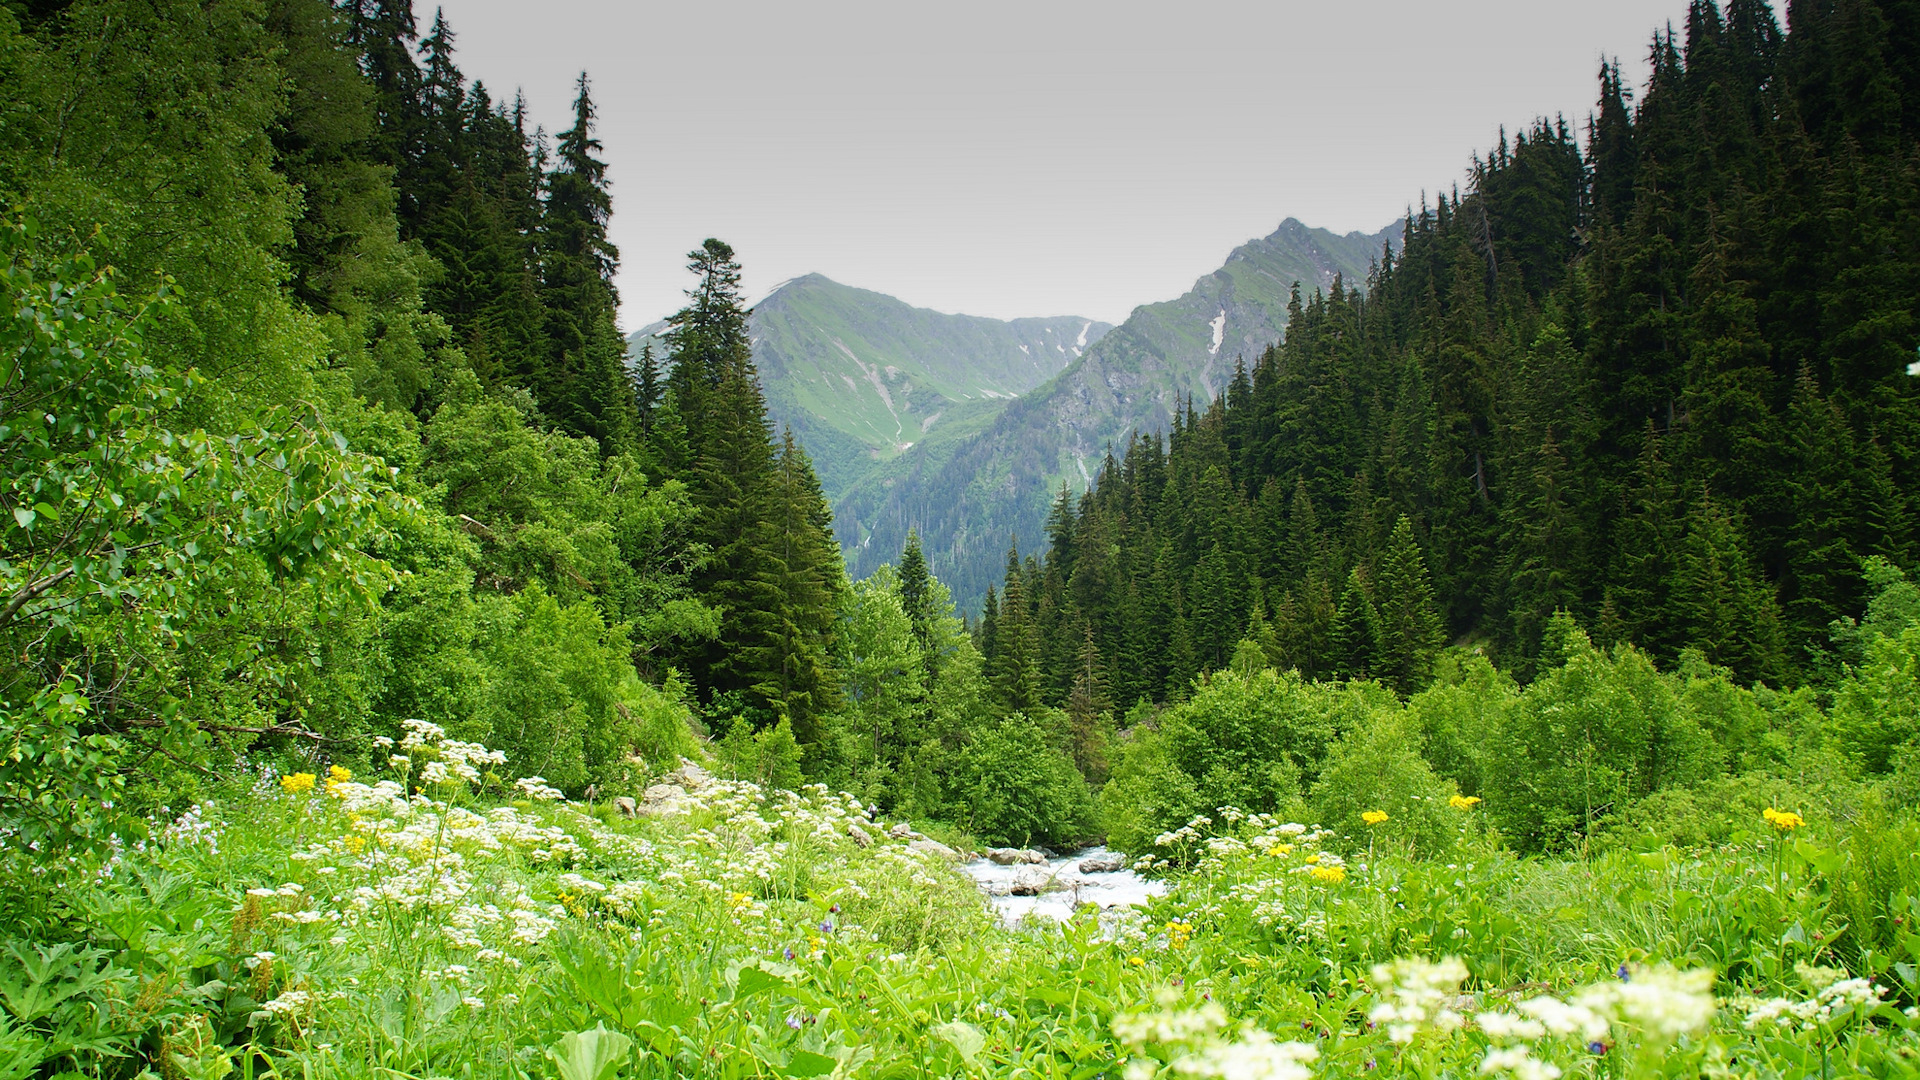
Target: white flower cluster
(1256, 1055)
(452, 759)
(1519, 1061)
(1419, 994)
(1835, 995)
(536, 787)
(1660, 1003)
(1192, 1038)
(192, 828)
(289, 1004)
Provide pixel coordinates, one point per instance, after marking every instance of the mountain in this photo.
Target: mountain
(861, 377)
(969, 495)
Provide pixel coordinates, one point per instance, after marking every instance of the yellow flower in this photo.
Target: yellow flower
(1374, 817)
(1136, 961)
(336, 776)
(1784, 820)
(298, 782)
(1281, 849)
(1178, 934)
(1464, 802)
(1313, 858)
(1332, 875)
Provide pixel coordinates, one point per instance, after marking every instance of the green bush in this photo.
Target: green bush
(1023, 787)
(1146, 794)
(1377, 767)
(1587, 740)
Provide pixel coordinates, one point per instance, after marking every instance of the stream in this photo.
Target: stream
(1062, 886)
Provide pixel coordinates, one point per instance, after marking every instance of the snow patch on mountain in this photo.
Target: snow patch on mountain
(1219, 331)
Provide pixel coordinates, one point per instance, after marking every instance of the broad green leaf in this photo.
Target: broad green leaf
(754, 981)
(590, 1055)
(806, 1063)
(964, 1037)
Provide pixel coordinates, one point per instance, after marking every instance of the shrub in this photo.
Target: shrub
(1377, 768)
(1024, 788)
(1146, 794)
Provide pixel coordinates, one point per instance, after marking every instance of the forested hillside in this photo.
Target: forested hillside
(314, 418)
(1662, 380)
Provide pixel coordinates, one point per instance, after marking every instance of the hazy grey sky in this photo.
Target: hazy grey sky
(1040, 157)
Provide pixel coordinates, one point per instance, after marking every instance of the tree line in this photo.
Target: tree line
(314, 418)
(1662, 381)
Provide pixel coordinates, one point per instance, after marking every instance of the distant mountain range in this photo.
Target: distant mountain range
(964, 427)
(861, 377)
(969, 497)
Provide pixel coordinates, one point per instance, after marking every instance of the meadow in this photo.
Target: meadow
(437, 921)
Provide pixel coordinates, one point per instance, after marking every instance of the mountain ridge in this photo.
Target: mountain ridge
(970, 497)
(861, 377)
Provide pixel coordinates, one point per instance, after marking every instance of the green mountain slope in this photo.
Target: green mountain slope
(861, 377)
(968, 496)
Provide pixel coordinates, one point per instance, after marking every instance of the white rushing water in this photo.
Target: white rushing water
(1063, 888)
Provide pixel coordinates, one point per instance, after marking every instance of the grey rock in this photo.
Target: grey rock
(1015, 856)
(663, 800)
(690, 776)
(626, 805)
(934, 847)
(1102, 864)
(1035, 882)
(900, 831)
(859, 835)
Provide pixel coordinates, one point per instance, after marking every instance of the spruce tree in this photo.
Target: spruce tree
(1014, 671)
(1728, 610)
(1410, 630)
(795, 651)
(584, 386)
(916, 589)
(1088, 709)
(772, 570)
(1354, 638)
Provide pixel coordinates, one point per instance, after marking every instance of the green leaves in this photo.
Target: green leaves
(590, 1055)
(806, 1063)
(963, 1037)
(129, 538)
(760, 977)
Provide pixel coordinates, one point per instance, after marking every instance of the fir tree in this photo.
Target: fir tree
(584, 386)
(1728, 610)
(1410, 631)
(1354, 638)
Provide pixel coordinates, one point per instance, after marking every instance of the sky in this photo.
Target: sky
(1032, 157)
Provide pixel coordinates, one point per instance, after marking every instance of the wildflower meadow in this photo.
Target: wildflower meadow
(437, 921)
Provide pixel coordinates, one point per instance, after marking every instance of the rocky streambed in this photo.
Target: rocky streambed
(1022, 882)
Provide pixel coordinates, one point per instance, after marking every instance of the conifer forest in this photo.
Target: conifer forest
(1514, 672)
